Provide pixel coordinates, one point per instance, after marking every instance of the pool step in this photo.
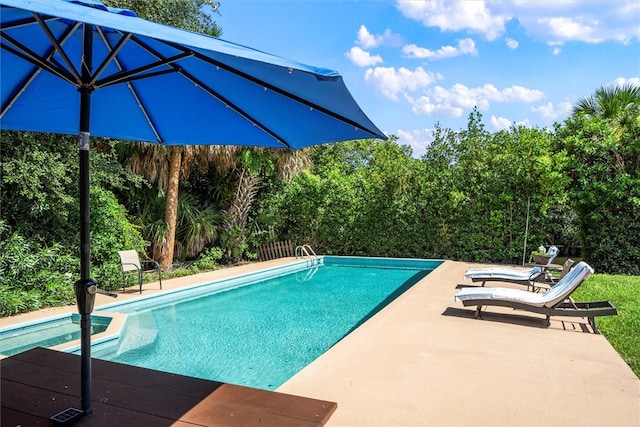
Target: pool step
(140, 331)
(306, 275)
(137, 339)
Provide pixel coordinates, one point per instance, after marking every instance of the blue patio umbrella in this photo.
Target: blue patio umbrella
(79, 67)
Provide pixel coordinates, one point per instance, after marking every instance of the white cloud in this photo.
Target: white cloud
(552, 22)
(478, 96)
(556, 51)
(366, 39)
(472, 16)
(519, 94)
(550, 113)
(391, 82)
(465, 47)
(362, 58)
(511, 43)
(370, 41)
(556, 23)
(424, 105)
(500, 123)
(562, 29)
(620, 81)
(417, 139)
(452, 102)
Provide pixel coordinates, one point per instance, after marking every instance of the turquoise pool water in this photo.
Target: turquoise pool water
(263, 334)
(48, 333)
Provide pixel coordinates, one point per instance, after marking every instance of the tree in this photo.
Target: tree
(168, 167)
(602, 145)
(252, 166)
(37, 190)
(190, 15)
(465, 199)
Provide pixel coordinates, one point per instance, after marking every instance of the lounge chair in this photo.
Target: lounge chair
(504, 274)
(132, 265)
(548, 257)
(554, 302)
(532, 278)
(566, 267)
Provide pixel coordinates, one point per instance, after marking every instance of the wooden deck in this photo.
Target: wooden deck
(40, 383)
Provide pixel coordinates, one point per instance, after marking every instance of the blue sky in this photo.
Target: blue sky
(412, 64)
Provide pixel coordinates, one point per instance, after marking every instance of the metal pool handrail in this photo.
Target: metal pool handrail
(305, 251)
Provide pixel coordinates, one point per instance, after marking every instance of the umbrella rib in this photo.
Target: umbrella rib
(59, 49)
(27, 81)
(129, 85)
(209, 90)
(30, 56)
(234, 107)
(145, 113)
(131, 74)
(276, 89)
(113, 51)
(24, 22)
(14, 97)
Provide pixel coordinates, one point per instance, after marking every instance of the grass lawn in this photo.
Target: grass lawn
(623, 330)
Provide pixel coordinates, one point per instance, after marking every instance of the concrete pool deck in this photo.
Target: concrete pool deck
(424, 360)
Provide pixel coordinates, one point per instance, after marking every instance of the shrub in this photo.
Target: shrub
(31, 276)
(111, 231)
(208, 260)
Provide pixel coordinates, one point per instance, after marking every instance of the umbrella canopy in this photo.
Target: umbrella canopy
(154, 83)
(80, 67)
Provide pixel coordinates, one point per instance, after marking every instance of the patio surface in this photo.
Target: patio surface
(39, 383)
(424, 360)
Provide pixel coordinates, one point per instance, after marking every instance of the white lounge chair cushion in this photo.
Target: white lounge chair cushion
(502, 273)
(508, 294)
(565, 287)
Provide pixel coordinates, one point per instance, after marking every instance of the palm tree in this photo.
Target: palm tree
(250, 167)
(290, 163)
(167, 167)
(251, 163)
(618, 103)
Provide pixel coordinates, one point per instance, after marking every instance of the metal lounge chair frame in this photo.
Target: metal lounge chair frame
(132, 264)
(566, 267)
(554, 302)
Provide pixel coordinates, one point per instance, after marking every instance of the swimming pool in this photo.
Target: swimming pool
(51, 332)
(258, 335)
(261, 335)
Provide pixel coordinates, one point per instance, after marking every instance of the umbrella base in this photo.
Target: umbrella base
(67, 416)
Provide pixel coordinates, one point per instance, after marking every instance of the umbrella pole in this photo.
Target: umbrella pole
(85, 307)
(84, 296)
(85, 288)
